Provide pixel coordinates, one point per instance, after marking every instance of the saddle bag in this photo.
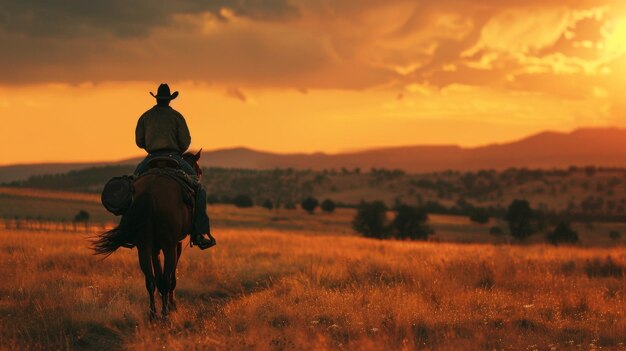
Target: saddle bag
(117, 195)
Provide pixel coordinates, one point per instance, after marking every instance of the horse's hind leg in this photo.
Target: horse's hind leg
(158, 268)
(169, 267)
(145, 262)
(179, 250)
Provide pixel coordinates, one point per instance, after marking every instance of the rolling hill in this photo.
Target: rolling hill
(588, 146)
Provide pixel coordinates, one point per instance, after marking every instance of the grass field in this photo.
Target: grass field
(63, 206)
(278, 290)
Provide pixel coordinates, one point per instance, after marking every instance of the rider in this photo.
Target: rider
(163, 132)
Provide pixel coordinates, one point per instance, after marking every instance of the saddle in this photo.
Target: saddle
(163, 162)
(117, 194)
(169, 167)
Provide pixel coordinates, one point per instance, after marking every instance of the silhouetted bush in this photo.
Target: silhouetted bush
(243, 201)
(212, 199)
(290, 205)
(562, 234)
(602, 269)
(435, 207)
(410, 223)
(479, 215)
(592, 204)
(328, 206)
(615, 235)
(268, 204)
(590, 171)
(82, 216)
(495, 230)
(371, 220)
(309, 204)
(519, 215)
(613, 182)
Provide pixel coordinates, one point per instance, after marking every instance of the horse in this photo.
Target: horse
(157, 221)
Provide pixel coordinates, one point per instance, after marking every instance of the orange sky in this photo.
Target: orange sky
(306, 75)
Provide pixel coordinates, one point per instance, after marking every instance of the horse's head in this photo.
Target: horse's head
(192, 159)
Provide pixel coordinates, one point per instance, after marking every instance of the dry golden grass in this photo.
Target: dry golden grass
(56, 206)
(271, 290)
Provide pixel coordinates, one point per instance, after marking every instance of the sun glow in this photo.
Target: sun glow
(315, 76)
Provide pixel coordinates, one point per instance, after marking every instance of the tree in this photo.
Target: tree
(495, 230)
(309, 204)
(479, 215)
(371, 220)
(82, 216)
(328, 206)
(519, 215)
(243, 201)
(615, 235)
(562, 234)
(268, 204)
(410, 223)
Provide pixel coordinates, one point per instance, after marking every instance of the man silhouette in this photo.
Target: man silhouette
(163, 132)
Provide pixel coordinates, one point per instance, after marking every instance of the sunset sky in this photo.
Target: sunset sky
(305, 75)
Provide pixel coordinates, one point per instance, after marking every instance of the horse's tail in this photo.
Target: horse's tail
(133, 221)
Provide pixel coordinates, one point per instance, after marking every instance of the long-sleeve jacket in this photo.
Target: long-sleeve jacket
(162, 128)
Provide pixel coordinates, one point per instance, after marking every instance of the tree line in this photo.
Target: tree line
(410, 222)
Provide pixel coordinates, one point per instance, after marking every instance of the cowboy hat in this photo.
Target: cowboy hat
(164, 93)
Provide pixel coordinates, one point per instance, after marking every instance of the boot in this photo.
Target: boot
(202, 242)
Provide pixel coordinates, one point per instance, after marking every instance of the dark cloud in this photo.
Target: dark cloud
(274, 10)
(301, 44)
(122, 18)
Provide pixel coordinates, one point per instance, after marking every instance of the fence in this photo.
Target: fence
(39, 225)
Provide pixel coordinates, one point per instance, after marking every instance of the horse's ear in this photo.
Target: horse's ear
(197, 155)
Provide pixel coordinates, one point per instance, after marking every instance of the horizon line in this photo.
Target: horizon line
(344, 151)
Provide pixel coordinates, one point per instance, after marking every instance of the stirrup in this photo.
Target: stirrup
(202, 243)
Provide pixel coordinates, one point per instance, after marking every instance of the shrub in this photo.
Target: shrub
(562, 234)
(309, 204)
(495, 230)
(519, 215)
(268, 204)
(371, 220)
(409, 223)
(615, 235)
(604, 268)
(212, 199)
(435, 207)
(82, 216)
(479, 215)
(243, 201)
(290, 205)
(328, 206)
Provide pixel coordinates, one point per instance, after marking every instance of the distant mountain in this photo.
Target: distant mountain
(23, 171)
(588, 146)
(599, 146)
